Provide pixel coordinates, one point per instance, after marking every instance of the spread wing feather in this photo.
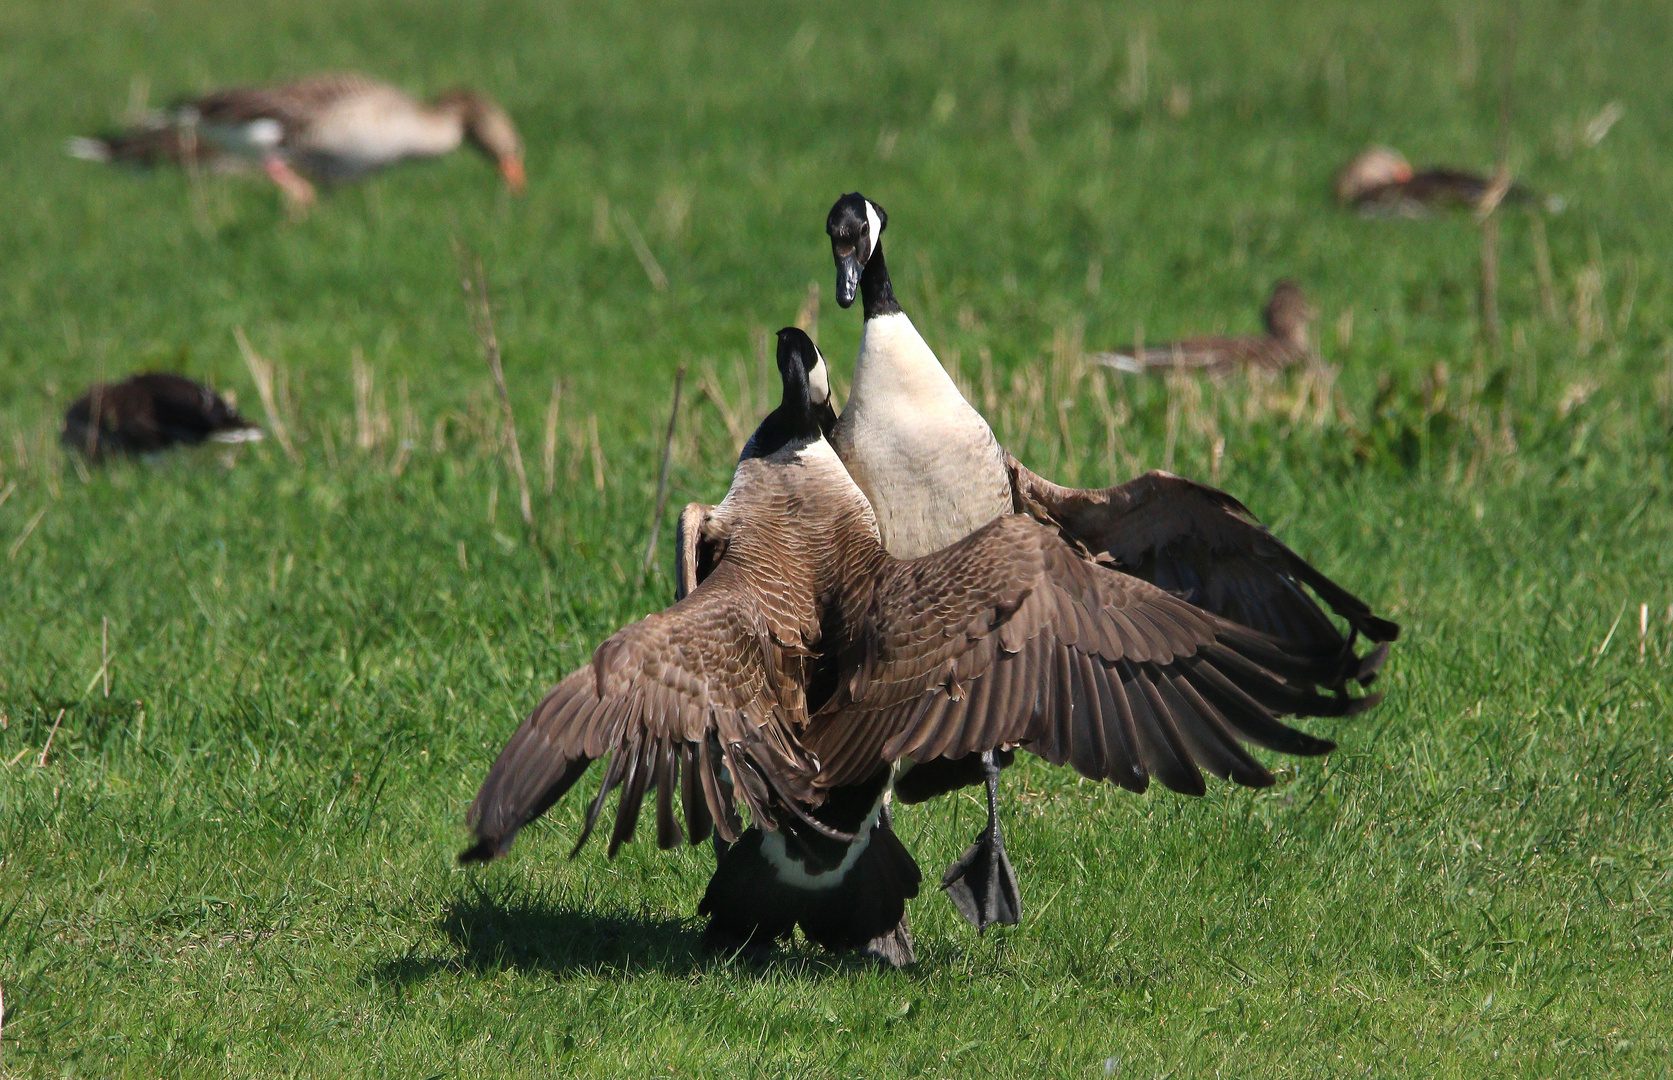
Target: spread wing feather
(693, 698)
(1205, 546)
(1012, 638)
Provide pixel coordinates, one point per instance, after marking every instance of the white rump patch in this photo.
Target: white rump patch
(265, 133)
(875, 224)
(86, 149)
(794, 873)
(239, 435)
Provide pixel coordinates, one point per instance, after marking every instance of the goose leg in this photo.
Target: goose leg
(982, 884)
(298, 191)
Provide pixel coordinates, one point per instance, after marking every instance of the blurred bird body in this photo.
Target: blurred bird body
(328, 128)
(149, 413)
(1288, 317)
(1379, 182)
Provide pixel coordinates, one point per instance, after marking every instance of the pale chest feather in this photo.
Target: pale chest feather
(927, 461)
(363, 132)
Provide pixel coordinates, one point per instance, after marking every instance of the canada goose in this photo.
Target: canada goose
(151, 412)
(809, 668)
(1379, 182)
(325, 128)
(1287, 316)
(933, 471)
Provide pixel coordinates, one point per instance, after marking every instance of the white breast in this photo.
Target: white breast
(364, 132)
(924, 457)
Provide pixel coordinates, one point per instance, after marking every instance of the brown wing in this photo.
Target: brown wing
(292, 104)
(1204, 545)
(1010, 637)
(698, 547)
(673, 700)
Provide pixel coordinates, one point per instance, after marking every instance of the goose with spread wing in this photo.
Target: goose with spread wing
(810, 671)
(325, 128)
(933, 471)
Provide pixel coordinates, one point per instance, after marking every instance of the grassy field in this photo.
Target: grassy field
(239, 859)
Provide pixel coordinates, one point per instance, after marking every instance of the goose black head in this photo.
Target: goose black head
(801, 418)
(856, 225)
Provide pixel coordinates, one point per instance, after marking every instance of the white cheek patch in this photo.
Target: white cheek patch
(819, 382)
(875, 226)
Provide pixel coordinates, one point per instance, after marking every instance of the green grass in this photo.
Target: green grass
(240, 862)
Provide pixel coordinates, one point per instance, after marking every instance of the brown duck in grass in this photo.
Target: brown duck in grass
(150, 413)
(323, 129)
(1379, 182)
(809, 672)
(1288, 317)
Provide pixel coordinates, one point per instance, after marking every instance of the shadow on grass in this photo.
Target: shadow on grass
(520, 933)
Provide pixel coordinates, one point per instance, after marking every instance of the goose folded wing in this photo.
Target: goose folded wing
(292, 104)
(697, 702)
(1012, 638)
(1205, 546)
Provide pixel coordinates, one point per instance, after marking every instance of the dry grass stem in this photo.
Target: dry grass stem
(371, 416)
(1490, 270)
(17, 545)
(104, 651)
(765, 367)
(407, 437)
(40, 763)
(709, 384)
(262, 374)
(662, 471)
(598, 451)
(549, 440)
(808, 317)
(1542, 269)
(475, 282)
(642, 250)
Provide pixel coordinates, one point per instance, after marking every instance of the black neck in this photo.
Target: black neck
(794, 424)
(876, 291)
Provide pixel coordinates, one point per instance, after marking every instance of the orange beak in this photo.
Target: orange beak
(1402, 172)
(511, 167)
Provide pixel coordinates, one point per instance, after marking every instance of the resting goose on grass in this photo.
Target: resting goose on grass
(933, 472)
(810, 670)
(148, 413)
(1287, 316)
(327, 128)
(1379, 182)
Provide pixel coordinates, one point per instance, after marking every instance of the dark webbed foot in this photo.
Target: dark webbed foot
(982, 884)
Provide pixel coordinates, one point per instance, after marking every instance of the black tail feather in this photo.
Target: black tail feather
(750, 905)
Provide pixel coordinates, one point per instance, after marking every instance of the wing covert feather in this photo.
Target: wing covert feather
(1206, 546)
(653, 698)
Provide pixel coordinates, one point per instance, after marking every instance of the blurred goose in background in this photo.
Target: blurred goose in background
(1287, 315)
(810, 671)
(933, 472)
(1379, 182)
(323, 129)
(152, 412)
